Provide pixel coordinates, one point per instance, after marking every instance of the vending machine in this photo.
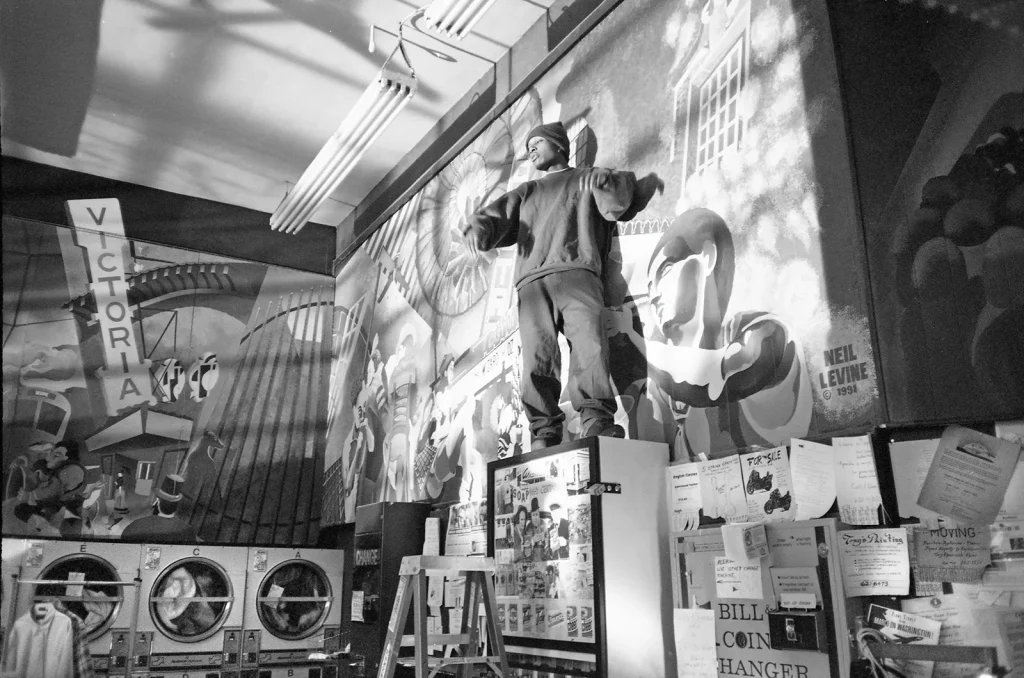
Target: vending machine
(783, 614)
(580, 538)
(385, 533)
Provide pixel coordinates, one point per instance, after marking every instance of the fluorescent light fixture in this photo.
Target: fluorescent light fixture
(374, 111)
(455, 18)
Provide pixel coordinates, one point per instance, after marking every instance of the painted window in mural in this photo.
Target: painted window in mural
(720, 126)
(728, 326)
(155, 394)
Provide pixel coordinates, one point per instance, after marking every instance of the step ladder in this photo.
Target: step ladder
(412, 589)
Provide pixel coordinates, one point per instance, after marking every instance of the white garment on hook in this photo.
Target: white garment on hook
(40, 648)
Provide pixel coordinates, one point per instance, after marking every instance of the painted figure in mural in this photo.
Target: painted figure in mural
(36, 361)
(505, 414)
(164, 525)
(561, 227)
(60, 489)
(402, 378)
(959, 259)
(717, 383)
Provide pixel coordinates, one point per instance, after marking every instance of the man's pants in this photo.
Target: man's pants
(569, 302)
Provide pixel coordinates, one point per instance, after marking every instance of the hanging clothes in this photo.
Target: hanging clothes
(41, 644)
(81, 659)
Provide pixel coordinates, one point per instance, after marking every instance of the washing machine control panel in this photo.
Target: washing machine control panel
(120, 651)
(232, 648)
(142, 649)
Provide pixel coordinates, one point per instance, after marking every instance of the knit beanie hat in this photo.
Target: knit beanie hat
(553, 132)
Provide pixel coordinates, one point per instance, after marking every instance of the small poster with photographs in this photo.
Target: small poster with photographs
(542, 542)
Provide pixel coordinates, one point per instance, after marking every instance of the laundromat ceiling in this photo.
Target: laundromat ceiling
(227, 100)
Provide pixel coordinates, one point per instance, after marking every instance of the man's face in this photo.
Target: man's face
(676, 289)
(55, 456)
(543, 153)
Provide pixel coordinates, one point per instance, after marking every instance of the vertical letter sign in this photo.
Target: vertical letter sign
(99, 230)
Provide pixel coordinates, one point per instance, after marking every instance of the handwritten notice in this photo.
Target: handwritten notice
(721, 489)
(969, 475)
(856, 480)
(738, 580)
(695, 643)
(684, 496)
(813, 468)
(957, 555)
(768, 485)
(875, 562)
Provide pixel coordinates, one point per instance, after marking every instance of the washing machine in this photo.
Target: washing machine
(106, 610)
(13, 550)
(292, 609)
(190, 614)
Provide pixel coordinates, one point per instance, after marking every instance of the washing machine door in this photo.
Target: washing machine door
(294, 599)
(95, 605)
(191, 599)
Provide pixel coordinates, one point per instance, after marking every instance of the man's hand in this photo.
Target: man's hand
(743, 353)
(595, 178)
(470, 243)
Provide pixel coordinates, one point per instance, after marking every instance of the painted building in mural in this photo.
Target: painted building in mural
(184, 380)
(740, 257)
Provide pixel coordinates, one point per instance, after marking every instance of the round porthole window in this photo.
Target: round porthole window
(95, 605)
(191, 599)
(294, 599)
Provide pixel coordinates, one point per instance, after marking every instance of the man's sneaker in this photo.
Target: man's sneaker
(776, 501)
(756, 482)
(607, 429)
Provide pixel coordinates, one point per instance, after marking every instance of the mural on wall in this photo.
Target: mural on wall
(947, 253)
(155, 394)
(728, 331)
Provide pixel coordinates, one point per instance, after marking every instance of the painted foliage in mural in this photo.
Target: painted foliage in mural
(721, 109)
(947, 250)
(155, 394)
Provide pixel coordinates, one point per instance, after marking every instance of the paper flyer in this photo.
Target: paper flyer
(1013, 502)
(357, 606)
(684, 496)
(813, 468)
(768, 485)
(856, 480)
(911, 460)
(956, 614)
(467, 529)
(745, 542)
(969, 475)
(796, 581)
(903, 627)
(876, 562)
(694, 631)
(955, 554)
(721, 489)
(435, 590)
(432, 537)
